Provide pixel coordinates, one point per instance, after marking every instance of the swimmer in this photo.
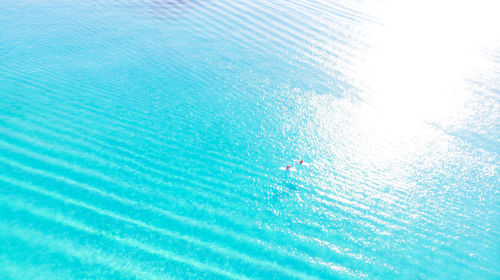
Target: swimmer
(288, 168)
(301, 162)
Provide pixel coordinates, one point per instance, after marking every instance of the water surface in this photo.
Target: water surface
(142, 139)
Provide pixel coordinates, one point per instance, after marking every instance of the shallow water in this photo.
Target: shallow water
(142, 139)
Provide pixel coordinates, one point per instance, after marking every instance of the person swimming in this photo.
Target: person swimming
(288, 168)
(301, 162)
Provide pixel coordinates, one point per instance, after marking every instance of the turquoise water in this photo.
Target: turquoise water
(142, 139)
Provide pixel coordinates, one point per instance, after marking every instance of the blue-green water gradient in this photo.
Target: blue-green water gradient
(143, 140)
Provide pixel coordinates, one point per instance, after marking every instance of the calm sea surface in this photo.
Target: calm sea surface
(143, 139)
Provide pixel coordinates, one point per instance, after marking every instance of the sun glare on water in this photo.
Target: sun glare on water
(418, 72)
(413, 75)
(423, 55)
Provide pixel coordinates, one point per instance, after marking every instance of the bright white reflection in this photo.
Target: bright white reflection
(422, 56)
(415, 70)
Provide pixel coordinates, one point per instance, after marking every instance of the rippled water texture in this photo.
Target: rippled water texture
(143, 139)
